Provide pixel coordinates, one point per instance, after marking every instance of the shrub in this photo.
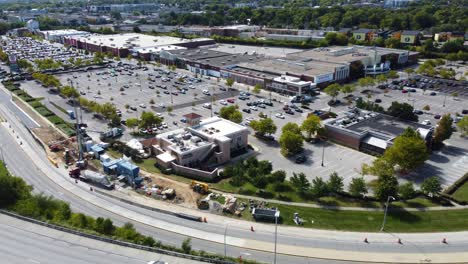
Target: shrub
(55, 119)
(35, 104)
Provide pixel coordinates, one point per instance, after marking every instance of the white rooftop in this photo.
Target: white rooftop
(158, 49)
(59, 32)
(217, 127)
(132, 40)
(291, 80)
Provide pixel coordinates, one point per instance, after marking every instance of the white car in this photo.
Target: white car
(207, 105)
(157, 262)
(142, 105)
(253, 107)
(279, 115)
(223, 102)
(426, 122)
(159, 114)
(164, 125)
(206, 92)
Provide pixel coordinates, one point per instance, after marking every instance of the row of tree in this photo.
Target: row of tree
(298, 14)
(47, 80)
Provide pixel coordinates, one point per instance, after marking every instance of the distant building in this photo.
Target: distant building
(32, 25)
(363, 34)
(371, 132)
(60, 34)
(233, 31)
(410, 37)
(122, 45)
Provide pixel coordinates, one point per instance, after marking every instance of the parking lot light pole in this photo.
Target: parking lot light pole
(445, 97)
(385, 213)
(323, 152)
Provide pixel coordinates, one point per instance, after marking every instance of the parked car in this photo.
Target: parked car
(437, 116)
(223, 102)
(426, 122)
(246, 110)
(301, 159)
(378, 100)
(279, 115)
(433, 94)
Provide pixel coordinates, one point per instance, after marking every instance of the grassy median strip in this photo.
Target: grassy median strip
(461, 193)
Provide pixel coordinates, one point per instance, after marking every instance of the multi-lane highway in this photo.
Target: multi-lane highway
(24, 242)
(21, 164)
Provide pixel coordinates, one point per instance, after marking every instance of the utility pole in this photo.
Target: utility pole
(225, 245)
(323, 152)
(386, 209)
(277, 213)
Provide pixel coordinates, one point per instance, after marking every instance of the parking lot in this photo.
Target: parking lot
(137, 86)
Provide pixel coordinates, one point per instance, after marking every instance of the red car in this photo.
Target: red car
(404, 91)
(230, 100)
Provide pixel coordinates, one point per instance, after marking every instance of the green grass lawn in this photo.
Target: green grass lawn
(397, 221)
(462, 192)
(292, 196)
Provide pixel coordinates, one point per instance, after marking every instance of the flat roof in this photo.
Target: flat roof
(133, 40)
(381, 124)
(273, 52)
(281, 67)
(344, 54)
(217, 127)
(253, 72)
(64, 32)
(198, 54)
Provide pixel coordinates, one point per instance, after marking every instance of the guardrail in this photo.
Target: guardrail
(117, 242)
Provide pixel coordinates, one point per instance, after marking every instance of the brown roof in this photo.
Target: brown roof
(192, 116)
(148, 142)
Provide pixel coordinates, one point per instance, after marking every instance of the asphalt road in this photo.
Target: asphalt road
(24, 242)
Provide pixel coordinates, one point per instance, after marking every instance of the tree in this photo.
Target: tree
(187, 245)
(431, 186)
(12, 188)
(463, 125)
(170, 109)
(257, 88)
(426, 108)
(407, 152)
(381, 79)
(290, 143)
(357, 187)
(311, 125)
(151, 101)
(136, 29)
(231, 113)
(409, 71)
(402, 110)
(149, 119)
(300, 182)
(107, 110)
(333, 90)
(348, 88)
(393, 75)
(335, 183)
(229, 82)
(116, 15)
(291, 127)
(387, 185)
(319, 187)
(444, 129)
(132, 122)
(406, 191)
(263, 126)
(69, 91)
